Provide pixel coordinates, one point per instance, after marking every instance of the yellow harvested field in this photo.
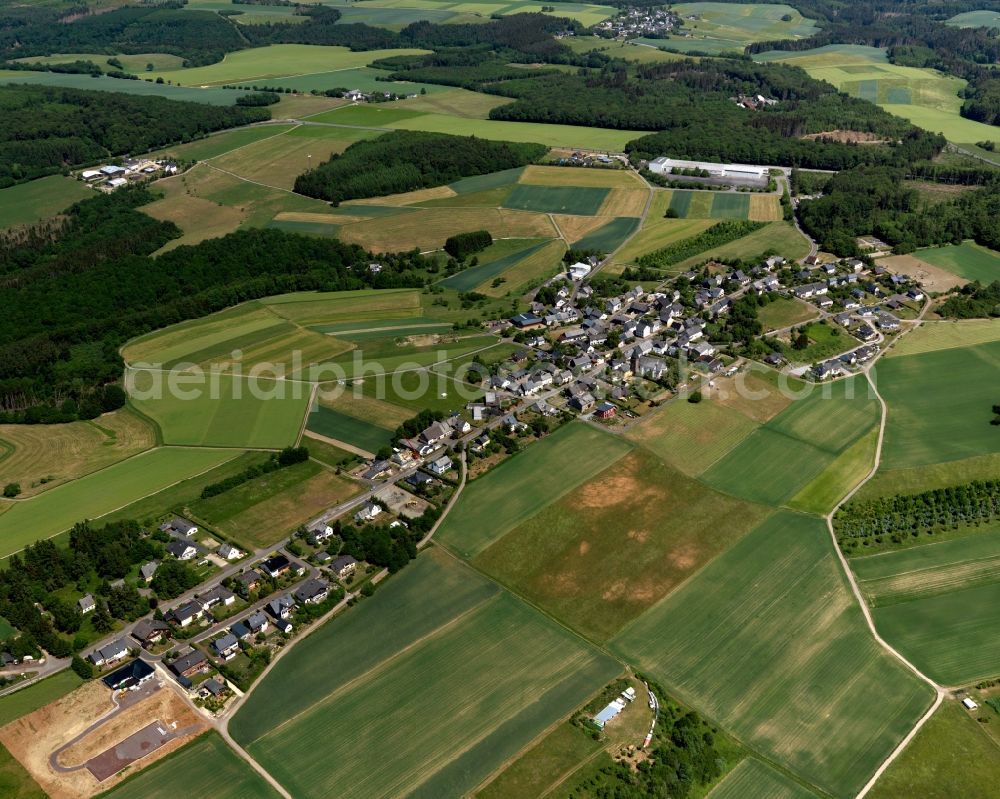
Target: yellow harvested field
(624, 202)
(757, 393)
(932, 278)
(575, 228)
(659, 232)
(946, 335)
(38, 457)
(543, 263)
(324, 219)
(764, 208)
(198, 218)
(580, 176)
(410, 197)
(428, 228)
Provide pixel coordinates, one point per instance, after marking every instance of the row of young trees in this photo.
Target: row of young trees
(717, 235)
(907, 514)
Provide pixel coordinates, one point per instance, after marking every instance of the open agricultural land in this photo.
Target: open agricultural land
(934, 603)
(917, 386)
(722, 27)
(28, 203)
(926, 97)
(41, 457)
(469, 678)
(638, 529)
(205, 764)
(767, 639)
(526, 483)
(753, 779)
(967, 260)
(102, 492)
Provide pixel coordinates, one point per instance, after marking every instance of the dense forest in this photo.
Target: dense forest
(46, 129)
(200, 37)
(403, 161)
(689, 103)
(73, 293)
(874, 200)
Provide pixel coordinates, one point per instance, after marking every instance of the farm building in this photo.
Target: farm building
(968, 704)
(609, 712)
(578, 271)
(664, 166)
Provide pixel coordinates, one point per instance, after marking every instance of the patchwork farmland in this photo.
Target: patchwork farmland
(525, 484)
(767, 639)
(934, 602)
(430, 700)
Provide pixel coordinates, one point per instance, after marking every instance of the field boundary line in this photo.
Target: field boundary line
(254, 182)
(939, 692)
(383, 664)
(306, 413)
(295, 124)
(337, 443)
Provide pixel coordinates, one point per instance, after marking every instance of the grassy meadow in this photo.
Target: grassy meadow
(967, 260)
(40, 457)
(754, 779)
(31, 202)
(102, 492)
(723, 27)
(767, 640)
(449, 628)
(28, 700)
(524, 484)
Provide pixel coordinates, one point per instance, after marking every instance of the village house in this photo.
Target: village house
(276, 566)
(110, 653)
(185, 614)
(149, 632)
(344, 566)
(130, 676)
(228, 552)
(312, 591)
(369, 512)
(319, 533)
(86, 604)
(248, 581)
(440, 466)
(187, 665)
(179, 527)
(281, 608)
(182, 549)
(226, 647)
(217, 596)
(257, 622)
(148, 570)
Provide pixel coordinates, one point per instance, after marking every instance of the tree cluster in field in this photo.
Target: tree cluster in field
(403, 161)
(715, 236)
(289, 456)
(688, 103)
(973, 301)
(74, 292)
(687, 754)
(413, 427)
(462, 245)
(875, 201)
(383, 546)
(902, 515)
(33, 578)
(257, 99)
(47, 128)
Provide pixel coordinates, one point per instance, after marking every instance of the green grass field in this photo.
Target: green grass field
(15, 781)
(767, 640)
(209, 96)
(935, 604)
(925, 478)
(638, 530)
(583, 200)
(243, 413)
(28, 700)
(27, 203)
(975, 19)
(267, 509)
(342, 427)
(724, 27)
(927, 98)
(939, 406)
(844, 473)
(945, 335)
(510, 251)
(752, 779)
(276, 61)
(951, 756)
(780, 237)
(785, 312)
(464, 677)
(222, 143)
(101, 492)
(206, 765)
(609, 237)
(524, 484)
(781, 458)
(967, 260)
